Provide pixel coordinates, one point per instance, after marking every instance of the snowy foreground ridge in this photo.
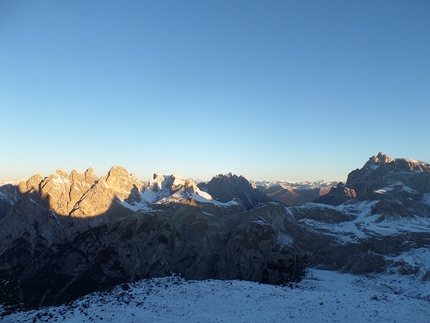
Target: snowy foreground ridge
(324, 296)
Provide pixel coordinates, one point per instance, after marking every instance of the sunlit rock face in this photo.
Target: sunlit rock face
(121, 182)
(97, 200)
(83, 194)
(190, 186)
(41, 212)
(62, 192)
(32, 184)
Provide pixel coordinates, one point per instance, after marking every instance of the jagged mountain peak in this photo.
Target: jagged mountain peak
(396, 164)
(229, 175)
(31, 184)
(377, 160)
(61, 173)
(381, 158)
(82, 194)
(120, 180)
(119, 172)
(168, 183)
(381, 170)
(404, 178)
(229, 186)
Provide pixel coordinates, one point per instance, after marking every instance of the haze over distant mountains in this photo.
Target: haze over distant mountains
(66, 235)
(294, 193)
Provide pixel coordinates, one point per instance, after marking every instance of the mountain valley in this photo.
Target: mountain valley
(67, 235)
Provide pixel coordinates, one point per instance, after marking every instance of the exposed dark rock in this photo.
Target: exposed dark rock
(227, 187)
(184, 240)
(8, 196)
(381, 172)
(337, 195)
(391, 210)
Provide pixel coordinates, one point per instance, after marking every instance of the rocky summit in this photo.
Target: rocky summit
(67, 235)
(227, 187)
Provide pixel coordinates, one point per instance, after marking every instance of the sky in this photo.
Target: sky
(271, 90)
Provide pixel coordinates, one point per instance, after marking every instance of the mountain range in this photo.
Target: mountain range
(294, 193)
(67, 235)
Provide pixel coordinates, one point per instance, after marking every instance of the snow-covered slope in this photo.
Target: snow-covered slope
(165, 189)
(363, 224)
(324, 296)
(304, 185)
(294, 193)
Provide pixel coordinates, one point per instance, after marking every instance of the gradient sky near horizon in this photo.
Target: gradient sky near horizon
(293, 90)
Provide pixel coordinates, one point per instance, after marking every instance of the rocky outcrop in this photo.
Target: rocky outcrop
(387, 201)
(8, 197)
(117, 183)
(83, 194)
(31, 185)
(61, 191)
(381, 177)
(227, 187)
(381, 172)
(190, 186)
(338, 194)
(171, 184)
(389, 210)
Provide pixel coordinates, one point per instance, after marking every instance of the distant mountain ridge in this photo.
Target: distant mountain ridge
(303, 185)
(66, 235)
(294, 193)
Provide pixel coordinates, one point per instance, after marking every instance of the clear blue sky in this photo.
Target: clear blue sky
(295, 90)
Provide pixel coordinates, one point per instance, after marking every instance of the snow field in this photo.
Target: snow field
(323, 296)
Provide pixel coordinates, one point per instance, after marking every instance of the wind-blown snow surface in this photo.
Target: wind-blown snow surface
(324, 296)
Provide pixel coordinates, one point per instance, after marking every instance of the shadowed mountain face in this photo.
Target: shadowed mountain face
(293, 196)
(383, 173)
(227, 187)
(194, 241)
(67, 235)
(402, 181)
